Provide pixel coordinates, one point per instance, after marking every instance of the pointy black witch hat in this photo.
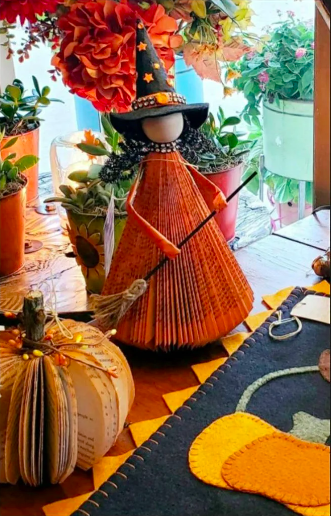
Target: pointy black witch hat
(156, 95)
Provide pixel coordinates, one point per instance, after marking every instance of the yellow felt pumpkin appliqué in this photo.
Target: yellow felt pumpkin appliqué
(62, 409)
(218, 454)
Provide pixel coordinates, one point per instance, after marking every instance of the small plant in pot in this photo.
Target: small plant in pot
(19, 118)
(12, 205)
(280, 77)
(225, 166)
(87, 206)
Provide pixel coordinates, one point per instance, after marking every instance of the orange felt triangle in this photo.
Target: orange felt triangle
(233, 343)
(66, 507)
(205, 370)
(283, 468)
(174, 400)
(106, 467)
(253, 322)
(143, 430)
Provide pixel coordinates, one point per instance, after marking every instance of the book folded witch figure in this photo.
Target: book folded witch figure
(200, 294)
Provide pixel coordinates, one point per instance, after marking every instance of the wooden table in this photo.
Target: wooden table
(271, 264)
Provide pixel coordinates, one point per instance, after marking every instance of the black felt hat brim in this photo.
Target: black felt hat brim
(128, 123)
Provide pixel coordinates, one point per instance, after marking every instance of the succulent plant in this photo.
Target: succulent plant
(91, 195)
(20, 113)
(230, 145)
(11, 169)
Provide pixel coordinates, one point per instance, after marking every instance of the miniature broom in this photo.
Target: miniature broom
(110, 309)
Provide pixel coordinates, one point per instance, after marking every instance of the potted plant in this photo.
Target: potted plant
(283, 193)
(12, 206)
(281, 77)
(87, 206)
(225, 167)
(19, 119)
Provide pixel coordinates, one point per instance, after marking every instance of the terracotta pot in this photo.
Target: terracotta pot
(228, 181)
(288, 213)
(27, 143)
(12, 232)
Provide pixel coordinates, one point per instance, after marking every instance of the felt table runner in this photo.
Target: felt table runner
(157, 479)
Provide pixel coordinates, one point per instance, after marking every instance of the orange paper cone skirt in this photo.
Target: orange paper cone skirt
(199, 296)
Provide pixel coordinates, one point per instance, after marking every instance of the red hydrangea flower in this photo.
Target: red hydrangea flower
(27, 10)
(97, 54)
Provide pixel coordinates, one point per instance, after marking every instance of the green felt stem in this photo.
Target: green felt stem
(254, 387)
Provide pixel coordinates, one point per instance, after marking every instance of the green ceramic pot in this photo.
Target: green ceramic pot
(289, 138)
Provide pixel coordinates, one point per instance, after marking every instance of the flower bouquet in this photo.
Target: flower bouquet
(93, 42)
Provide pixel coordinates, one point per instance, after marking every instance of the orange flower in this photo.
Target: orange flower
(228, 92)
(232, 74)
(98, 49)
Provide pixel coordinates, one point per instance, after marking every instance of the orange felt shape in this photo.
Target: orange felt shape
(283, 468)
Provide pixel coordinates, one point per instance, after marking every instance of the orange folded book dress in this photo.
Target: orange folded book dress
(200, 294)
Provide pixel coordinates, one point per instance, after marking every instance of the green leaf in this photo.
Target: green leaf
(233, 141)
(94, 172)
(287, 77)
(66, 190)
(107, 127)
(253, 111)
(11, 156)
(26, 162)
(308, 78)
(12, 174)
(248, 87)
(45, 91)
(36, 85)
(44, 101)
(233, 120)
(79, 176)
(10, 143)
(227, 6)
(93, 150)
(14, 92)
(3, 182)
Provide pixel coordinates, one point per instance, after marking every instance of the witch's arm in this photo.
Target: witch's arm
(165, 245)
(214, 197)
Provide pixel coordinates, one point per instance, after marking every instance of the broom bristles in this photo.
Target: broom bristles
(109, 310)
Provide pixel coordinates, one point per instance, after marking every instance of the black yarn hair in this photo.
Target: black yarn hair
(192, 144)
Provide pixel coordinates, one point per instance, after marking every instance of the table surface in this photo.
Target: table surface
(271, 264)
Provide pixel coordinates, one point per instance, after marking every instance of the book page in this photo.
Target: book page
(12, 435)
(90, 395)
(7, 380)
(52, 419)
(73, 422)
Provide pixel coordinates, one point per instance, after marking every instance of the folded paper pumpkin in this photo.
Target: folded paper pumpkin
(61, 404)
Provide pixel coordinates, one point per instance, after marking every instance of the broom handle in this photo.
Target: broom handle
(197, 229)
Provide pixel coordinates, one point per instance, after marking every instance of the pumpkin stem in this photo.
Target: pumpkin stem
(34, 316)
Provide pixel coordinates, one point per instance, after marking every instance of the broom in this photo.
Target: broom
(109, 310)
